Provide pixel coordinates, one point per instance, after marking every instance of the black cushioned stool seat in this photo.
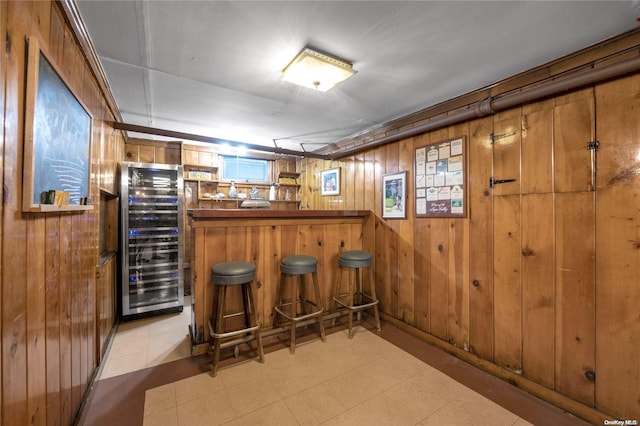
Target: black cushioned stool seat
(298, 307)
(223, 276)
(356, 299)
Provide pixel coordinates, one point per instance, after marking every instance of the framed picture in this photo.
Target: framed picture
(330, 180)
(57, 140)
(440, 179)
(394, 197)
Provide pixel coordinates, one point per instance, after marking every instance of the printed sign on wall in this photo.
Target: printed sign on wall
(440, 179)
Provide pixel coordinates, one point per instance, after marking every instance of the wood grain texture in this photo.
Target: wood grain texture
(507, 281)
(618, 248)
(575, 295)
(574, 127)
(265, 243)
(481, 304)
(538, 290)
(51, 327)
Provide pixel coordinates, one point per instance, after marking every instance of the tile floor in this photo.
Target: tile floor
(149, 342)
(386, 378)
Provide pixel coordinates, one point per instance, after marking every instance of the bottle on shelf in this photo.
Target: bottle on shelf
(272, 192)
(233, 193)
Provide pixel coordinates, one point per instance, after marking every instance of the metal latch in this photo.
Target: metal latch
(593, 145)
(493, 182)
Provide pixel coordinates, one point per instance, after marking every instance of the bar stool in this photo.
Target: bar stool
(300, 308)
(356, 299)
(230, 274)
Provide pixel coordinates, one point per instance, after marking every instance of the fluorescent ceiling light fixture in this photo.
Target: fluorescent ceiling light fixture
(317, 70)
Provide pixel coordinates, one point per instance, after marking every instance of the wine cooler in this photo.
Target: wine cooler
(152, 239)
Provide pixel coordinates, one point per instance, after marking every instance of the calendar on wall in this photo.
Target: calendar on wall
(440, 179)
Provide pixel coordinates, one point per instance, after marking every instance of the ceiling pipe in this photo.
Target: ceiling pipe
(208, 139)
(492, 105)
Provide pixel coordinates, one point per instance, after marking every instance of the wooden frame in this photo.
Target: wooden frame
(330, 181)
(440, 179)
(57, 138)
(394, 195)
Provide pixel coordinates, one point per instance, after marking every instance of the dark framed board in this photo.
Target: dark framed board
(57, 140)
(440, 179)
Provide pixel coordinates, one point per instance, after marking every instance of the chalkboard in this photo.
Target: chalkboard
(57, 136)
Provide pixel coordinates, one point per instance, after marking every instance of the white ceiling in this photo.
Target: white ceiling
(212, 68)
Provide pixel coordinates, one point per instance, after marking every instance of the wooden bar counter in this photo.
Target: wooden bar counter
(263, 237)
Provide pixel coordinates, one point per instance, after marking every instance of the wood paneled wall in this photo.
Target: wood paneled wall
(50, 298)
(540, 284)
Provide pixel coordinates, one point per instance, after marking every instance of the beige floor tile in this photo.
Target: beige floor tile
(522, 422)
(168, 417)
(210, 410)
(116, 366)
(160, 398)
(274, 414)
(160, 355)
(291, 379)
(196, 387)
(239, 373)
(477, 413)
(349, 418)
(252, 395)
(344, 382)
(404, 404)
(314, 406)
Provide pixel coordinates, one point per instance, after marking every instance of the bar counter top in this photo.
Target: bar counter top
(205, 214)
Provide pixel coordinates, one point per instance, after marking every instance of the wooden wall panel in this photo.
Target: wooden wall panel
(53, 319)
(537, 148)
(36, 306)
(50, 330)
(439, 275)
(538, 290)
(506, 151)
(574, 127)
(507, 267)
(14, 346)
(618, 248)
(422, 259)
(480, 211)
(406, 284)
(575, 292)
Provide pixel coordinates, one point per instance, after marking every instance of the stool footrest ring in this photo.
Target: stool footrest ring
(232, 333)
(301, 317)
(356, 307)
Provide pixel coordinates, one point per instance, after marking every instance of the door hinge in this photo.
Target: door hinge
(493, 182)
(593, 145)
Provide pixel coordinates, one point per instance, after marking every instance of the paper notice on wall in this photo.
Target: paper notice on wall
(432, 155)
(456, 147)
(432, 194)
(421, 206)
(457, 206)
(444, 193)
(444, 151)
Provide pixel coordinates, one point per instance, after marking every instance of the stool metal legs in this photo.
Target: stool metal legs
(356, 298)
(300, 306)
(218, 327)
